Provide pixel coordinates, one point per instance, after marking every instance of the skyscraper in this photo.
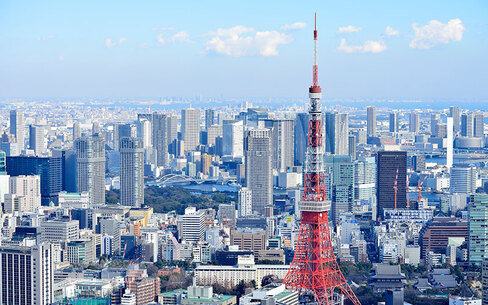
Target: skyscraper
(111, 227)
(259, 177)
(90, 155)
(244, 202)
(478, 125)
(282, 144)
(25, 194)
(50, 169)
(172, 127)
(190, 128)
(233, 141)
(455, 114)
(17, 127)
(478, 228)
(144, 132)
(209, 118)
(131, 172)
(463, 179)
(300, 138)
(450, 139)
(352, 146)
(339, 172)
(336, 133)
(160, 138)
(36, 139)
(467, 124)
(394, 123)
(213, 132)
(365, 176)
(193, 227)
(96, 128)
(76, 130)
(27, 275)
(435, 121)
(123, 131)
(414, 122)
(371, 111)
(388, 164)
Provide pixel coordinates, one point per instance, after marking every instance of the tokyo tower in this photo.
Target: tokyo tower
(314, 270)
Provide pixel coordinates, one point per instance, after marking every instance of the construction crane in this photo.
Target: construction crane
(125, 249)
(419, 187)
(395, 187)
(408, 185)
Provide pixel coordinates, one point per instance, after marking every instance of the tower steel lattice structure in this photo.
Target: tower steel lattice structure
(314, 270)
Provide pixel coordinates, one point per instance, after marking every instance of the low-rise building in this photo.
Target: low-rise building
(271, 294)
(230, 276)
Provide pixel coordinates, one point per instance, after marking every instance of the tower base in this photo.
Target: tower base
(314, 268)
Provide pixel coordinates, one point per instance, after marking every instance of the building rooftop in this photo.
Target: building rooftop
(220, 298)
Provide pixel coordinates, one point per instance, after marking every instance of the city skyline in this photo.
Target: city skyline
(423, 51)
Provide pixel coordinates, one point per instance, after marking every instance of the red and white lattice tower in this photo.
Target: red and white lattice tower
(314, 269)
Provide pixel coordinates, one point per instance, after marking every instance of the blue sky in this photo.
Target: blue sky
(431, 49)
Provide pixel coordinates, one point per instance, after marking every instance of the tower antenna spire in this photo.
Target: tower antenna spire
(315, 84)
(314, 270)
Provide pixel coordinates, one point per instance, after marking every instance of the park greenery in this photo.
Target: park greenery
(171, 198)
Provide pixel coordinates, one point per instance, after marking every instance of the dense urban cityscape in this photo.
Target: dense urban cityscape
(126, 205)
(177, 200)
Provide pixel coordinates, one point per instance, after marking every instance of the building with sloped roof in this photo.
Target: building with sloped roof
(385, 276)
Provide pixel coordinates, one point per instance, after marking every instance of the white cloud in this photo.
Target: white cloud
(43, 38)
(389, 31)
(160, 39)
(61, 58)
(294, 26)
(181, 37)
(349, 29)
(370, 46)
(232, 42)
(436, 32)
(109, 42)
(235, 31)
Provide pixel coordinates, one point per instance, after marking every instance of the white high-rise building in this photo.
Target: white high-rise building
(213, 132)
(90, 155)
(25, 194)
(282, 146)
(365, 178)
(58, 231)
(17, 127)
(193, 228)
(450, 140)
(244, 202)
(463, 179)
(76, 130)
(27, 275)
(131, 172)
(455, 114)
(111, 227)
(259, 178)
(337, 133)
(36, 139)
(144, 132)
(233, 140)
(190, 128)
